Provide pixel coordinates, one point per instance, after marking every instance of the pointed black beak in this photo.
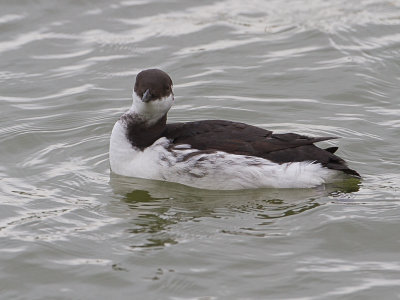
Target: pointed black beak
(146, 96)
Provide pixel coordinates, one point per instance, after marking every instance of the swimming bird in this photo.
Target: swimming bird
(212, 154)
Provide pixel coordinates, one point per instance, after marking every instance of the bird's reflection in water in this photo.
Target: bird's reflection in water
(157, 206)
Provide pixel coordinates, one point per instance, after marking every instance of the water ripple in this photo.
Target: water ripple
(10, 18)
(70, 54)
(26, 38)
(66, 92)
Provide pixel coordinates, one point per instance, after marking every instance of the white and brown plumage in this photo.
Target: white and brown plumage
(212, 154)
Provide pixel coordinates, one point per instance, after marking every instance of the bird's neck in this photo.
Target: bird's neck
(140, 132)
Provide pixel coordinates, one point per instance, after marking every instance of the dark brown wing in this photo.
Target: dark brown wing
(240, 138)
(232, 137)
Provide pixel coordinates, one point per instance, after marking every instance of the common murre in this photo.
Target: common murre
(212, 154)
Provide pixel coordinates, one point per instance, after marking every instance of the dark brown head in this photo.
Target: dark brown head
(152, 96)
(153, 84)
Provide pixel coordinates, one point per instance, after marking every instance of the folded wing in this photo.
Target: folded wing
(243, 139)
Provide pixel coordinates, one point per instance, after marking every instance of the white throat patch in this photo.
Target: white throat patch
(151, 111)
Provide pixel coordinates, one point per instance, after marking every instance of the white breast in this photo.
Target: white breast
(219, 170)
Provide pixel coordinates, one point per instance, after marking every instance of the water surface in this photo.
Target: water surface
(71, 230)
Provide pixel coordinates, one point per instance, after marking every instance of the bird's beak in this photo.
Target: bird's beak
(146, 96)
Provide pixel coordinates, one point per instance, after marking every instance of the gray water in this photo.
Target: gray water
(71, 230)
